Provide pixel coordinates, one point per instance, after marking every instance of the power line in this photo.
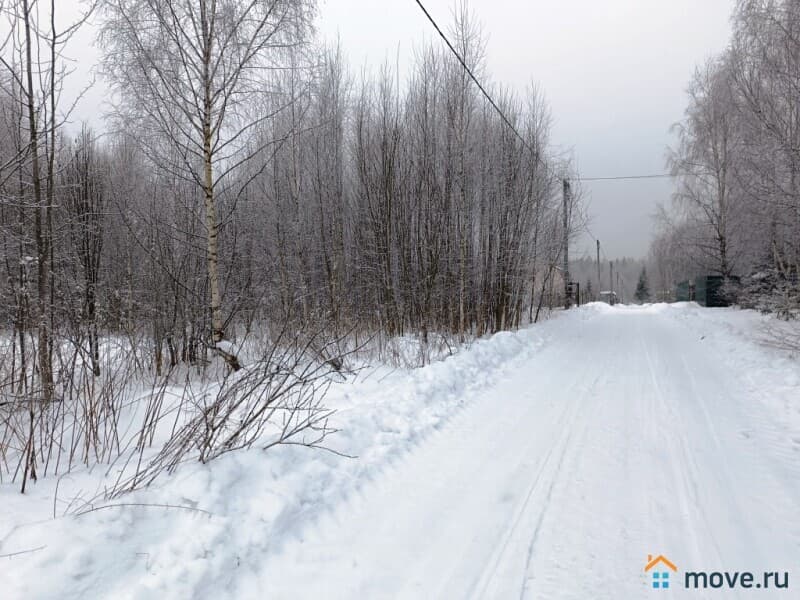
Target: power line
(621, 177)
(472, 76)
(503, 116)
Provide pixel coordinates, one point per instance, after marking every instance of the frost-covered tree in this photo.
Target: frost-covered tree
(737, 204)
(186, 76)
(705, 164)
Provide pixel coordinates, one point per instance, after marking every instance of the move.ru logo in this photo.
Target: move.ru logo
(662, 572)
(659, 568)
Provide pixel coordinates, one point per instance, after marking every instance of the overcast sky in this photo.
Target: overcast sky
(614, 73)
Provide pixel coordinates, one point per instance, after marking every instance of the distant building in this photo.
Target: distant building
(684, 291)
(609, 297)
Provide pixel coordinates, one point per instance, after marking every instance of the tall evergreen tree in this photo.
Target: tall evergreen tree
(642, 288)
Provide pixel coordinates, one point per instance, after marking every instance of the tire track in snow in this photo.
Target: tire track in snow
(682, 471)
(531, 547)
(520, 535)
(723, 469)
(487, 575)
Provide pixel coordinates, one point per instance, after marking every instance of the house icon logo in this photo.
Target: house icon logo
(659, 568)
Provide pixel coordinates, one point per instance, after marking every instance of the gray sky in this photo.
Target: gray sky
(614, 73)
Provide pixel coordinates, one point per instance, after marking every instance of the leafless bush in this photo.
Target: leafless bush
(277, 399)
(80, 425)
(783, 336)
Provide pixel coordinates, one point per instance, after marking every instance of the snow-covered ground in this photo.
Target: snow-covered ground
(543, 464)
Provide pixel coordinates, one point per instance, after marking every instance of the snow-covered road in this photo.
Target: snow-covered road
(628, 435)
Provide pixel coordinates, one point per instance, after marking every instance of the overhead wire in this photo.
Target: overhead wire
(502, 114)
(624, 177)
(472, 76)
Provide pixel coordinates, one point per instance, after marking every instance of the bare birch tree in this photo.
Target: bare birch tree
(185, 75)
(705, 163)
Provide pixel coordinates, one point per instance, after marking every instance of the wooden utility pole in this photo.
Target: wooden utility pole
(611, 281)
(567, 193)
(619, 287)
(599, 284)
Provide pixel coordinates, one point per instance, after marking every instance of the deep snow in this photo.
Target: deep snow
(546, 463)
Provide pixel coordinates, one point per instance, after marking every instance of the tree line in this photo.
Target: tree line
(736, 211)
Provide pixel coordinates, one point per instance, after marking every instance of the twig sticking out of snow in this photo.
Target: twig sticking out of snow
(129, 504)
(23, 552)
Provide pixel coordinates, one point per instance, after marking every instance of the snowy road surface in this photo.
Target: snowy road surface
(627, 436)
(543, 464)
